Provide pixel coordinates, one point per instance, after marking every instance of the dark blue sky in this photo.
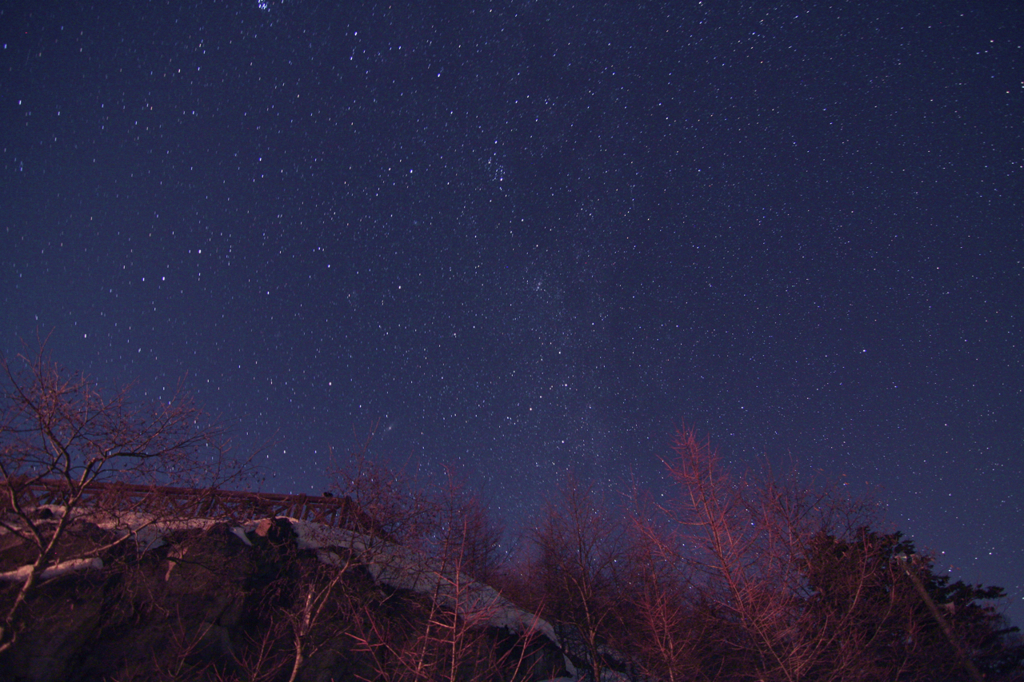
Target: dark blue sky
(534, 236)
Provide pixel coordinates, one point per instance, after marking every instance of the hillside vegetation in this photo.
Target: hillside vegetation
(120, 562)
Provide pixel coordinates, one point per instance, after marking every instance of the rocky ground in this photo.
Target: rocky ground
(274, 600)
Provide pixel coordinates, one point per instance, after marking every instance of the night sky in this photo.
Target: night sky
(531, 237)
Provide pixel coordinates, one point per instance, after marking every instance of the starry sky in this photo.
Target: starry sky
(527, 237)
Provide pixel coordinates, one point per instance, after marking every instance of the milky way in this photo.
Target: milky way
(533, 237)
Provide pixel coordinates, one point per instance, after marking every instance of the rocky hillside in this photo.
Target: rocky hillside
(276, 599)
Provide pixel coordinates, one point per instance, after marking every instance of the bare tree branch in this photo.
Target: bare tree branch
(60, 427)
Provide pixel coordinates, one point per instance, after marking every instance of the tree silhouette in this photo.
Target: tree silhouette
(581, 566)
(60, 429)
(909, 622)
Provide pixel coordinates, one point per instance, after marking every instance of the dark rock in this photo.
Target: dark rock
(209, 603)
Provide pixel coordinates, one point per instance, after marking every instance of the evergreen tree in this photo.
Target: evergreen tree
(909, 622)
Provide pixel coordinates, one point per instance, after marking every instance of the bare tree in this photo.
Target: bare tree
(391, 504)
(753, 546)
(312, 605)
(60, 433)
(460, 608)
(670, 629)
(581, 563)
(437, 621)
(754, 577)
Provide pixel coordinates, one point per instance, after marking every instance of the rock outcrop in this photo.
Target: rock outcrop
(276, 599)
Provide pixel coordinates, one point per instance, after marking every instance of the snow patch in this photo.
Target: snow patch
(403, 568)
(20, 575)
